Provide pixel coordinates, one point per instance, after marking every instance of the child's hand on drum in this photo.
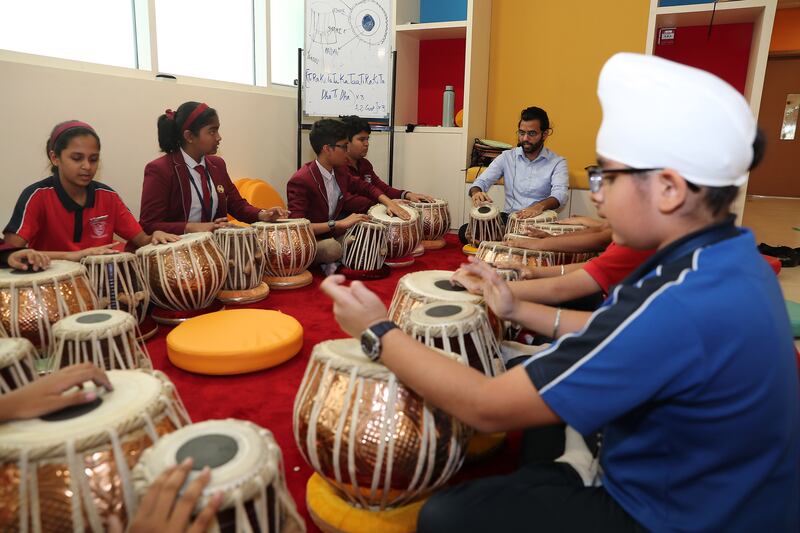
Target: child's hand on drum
(272, 214)
(472, 283)
(106, 249)
(393, 208)
(355, 307)
(524, 272)
(46, 395)
(496, 293)
(351, 220)
(162, 237)
(416, 197)
(28, 260)
(480, 198)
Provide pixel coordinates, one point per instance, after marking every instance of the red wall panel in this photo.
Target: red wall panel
(441, 63)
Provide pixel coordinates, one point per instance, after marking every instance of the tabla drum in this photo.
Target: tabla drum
(106, 338)
(245, 257)
(246, 466)
(184, 277)
(556, 228)
(289, 248)
(485, 224)
(17, 363)
(402, 236)
(364, 250)
(118, 281)
(518, 225)
(425, 286)
(376, 441)
(461, 328)
(435, 218)
(31, 302)
(70, 470)
(496, 252)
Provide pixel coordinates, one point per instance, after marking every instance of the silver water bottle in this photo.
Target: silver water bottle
(448, 106)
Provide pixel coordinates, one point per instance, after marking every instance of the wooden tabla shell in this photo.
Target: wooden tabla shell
(289, 248)
(31, 302)
(185, 275)
(485, 224)
(460, 328)
(246, 466)
(557, 229)
(17, 363)
(376, 441)
(365, 246)
(435, 217)
(246, 265)
(425, 286)
(105, 338)
(118, 281)
(494, 252)
(402, 236)
(518, 225)
(71, 470)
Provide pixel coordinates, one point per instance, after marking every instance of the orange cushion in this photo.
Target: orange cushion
(234, 341)
(258, 193)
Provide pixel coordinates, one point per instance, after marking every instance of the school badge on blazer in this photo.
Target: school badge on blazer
(220, 189)
(99, 226)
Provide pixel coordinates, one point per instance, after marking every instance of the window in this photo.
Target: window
(206, 39)
(286, 30)
(95, 31)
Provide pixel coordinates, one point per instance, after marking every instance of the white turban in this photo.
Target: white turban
(661, 114)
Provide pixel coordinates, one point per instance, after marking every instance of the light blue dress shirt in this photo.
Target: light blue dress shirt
(526, 181)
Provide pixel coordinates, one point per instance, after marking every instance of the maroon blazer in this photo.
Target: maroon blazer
(307, 197)
(363, 171)
(167, 194)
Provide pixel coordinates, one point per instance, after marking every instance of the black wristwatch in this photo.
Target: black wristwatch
(371, 338)
(331, 225)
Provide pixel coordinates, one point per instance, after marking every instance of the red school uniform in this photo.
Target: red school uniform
(49, 220)
(615, 264)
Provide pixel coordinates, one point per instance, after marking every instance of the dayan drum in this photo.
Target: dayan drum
(497, 252)
(402, 236)
(435, 218)
(70, 470)
(17, 363)
(376, 441)
(245, 258)
(184, 277)
(364, 251)
(105, 338)
(425, 286)
(461, 328)
(30, 302)
(289, 248)
(246, 466)
(118, 281)
(485, 224)
(518, 225)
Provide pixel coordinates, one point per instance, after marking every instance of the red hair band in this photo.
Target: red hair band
(170, 114)
(193, 116)
(64, 127)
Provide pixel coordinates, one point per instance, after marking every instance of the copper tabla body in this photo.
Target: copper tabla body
(435, 218)
(425, 286)
(17, 363)
(496, 252)
(402, 236)
(31, 302)
(289, 247)
(377, 442)
(71, 470)
(185, 275)
(485, 224)
(245, 258)
(246, 466)
(118, 281)
(518, 225)
(364, 247)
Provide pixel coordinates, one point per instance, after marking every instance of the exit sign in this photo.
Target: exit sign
(666, 35)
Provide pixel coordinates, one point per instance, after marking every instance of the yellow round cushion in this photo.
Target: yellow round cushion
(263, 195)
(234, 341)
(332, 514)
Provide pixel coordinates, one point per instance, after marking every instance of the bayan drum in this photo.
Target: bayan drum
(289, 248)
(435, 218)
(30, 302)
(17, 363)
(119, 284)
(377, 442)
(402, 236)
(184, 277)
(461, 328)
(242, 248)
(496, 252)
(246, 466)
(105, 338)
(485, 224)
(518, 225)
(364, 252)
(426, 286)
(70, 470)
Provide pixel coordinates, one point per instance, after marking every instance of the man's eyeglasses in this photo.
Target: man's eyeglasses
(596, 173)
(532, 134)
(342, 146)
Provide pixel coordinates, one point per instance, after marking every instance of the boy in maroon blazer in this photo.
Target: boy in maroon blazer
(321, 194)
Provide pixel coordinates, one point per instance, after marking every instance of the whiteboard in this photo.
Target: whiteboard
(346, 58)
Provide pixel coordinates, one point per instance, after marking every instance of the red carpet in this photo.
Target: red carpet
(266, 398)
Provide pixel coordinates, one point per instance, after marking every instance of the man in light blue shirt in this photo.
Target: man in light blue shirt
(536, 179)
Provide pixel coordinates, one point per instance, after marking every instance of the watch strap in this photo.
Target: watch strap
(382, 328)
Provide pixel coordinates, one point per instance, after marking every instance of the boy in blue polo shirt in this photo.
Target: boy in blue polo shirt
(688, 368)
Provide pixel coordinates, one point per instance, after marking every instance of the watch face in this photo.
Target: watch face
(370, 344)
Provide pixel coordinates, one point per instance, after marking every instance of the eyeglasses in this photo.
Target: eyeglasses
(532, 134)
(596, 178)
(342, 146)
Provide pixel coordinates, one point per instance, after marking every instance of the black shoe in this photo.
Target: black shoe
(789, 257)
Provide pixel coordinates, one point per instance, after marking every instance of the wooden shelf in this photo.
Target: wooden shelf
(430, 129)
(434, 30)
(700, 14)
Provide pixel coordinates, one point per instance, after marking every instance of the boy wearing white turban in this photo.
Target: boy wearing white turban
(688, 368)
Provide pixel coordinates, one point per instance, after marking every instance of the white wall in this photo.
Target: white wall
(258, 129)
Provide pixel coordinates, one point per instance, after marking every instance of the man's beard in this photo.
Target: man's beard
(532, 148)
